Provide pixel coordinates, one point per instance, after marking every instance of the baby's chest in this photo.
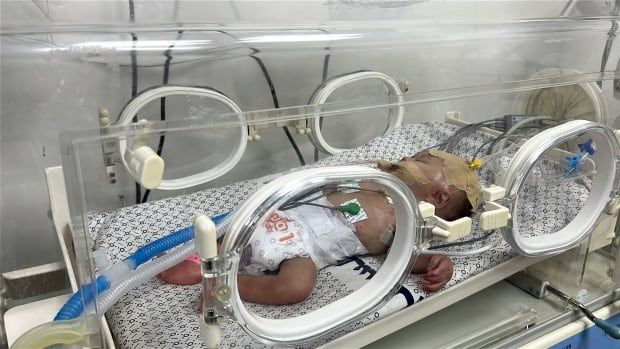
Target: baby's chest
(381, 215)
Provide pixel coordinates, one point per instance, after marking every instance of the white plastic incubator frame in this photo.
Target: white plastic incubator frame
(137, 103)
(147, 167)
(604, 189)
(220, 293)
(325, 90)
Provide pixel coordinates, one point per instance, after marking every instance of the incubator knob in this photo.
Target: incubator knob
(146, 165)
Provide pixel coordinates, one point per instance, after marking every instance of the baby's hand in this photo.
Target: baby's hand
(438, 271)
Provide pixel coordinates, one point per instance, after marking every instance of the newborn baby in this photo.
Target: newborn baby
(281, 261)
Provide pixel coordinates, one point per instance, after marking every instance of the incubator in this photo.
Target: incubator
(193, 133)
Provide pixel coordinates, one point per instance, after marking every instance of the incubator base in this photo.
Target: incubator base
(554, 322)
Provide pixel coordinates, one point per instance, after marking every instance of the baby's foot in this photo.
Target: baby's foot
(184, 273)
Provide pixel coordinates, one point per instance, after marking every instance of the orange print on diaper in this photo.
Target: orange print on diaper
(286, 237)
(276, 223)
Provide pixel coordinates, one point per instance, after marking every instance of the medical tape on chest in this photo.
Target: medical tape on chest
(386, 237)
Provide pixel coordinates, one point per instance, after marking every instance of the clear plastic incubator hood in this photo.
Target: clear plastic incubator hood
(190, 133)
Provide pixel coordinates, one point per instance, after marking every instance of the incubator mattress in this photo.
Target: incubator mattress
(161, 315)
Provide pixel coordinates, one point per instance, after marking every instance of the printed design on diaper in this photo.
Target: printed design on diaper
(273, 242)
(277, 223)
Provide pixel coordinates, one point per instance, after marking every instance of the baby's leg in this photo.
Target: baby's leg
(293, 283)
(184, 273)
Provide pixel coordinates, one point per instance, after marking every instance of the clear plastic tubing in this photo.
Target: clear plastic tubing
(134, 270)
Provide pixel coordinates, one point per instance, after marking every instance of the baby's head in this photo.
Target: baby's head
(442, 179)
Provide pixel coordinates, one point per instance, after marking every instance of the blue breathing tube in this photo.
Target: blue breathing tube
(75, 305)
(157, 247)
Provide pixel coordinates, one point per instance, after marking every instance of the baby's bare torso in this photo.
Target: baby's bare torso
(381, 215)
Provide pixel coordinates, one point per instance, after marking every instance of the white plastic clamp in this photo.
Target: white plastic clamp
(493, 192)
(496, 216)
(452, 230)
(426, 209)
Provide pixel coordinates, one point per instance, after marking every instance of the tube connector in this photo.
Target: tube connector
(117, 272)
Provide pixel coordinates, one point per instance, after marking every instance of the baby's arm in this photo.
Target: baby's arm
(437, 270)
(293, 283)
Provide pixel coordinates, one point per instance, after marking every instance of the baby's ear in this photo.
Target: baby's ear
(437, 193)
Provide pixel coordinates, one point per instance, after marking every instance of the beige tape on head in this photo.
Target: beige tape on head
(406, 171)
(460, 174)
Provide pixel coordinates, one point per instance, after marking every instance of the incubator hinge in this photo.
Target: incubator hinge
(254, 127)
(108, 146)
(403, 85)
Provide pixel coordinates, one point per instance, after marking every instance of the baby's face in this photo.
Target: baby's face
(431, 167)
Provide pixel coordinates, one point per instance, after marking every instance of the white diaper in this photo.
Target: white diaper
(328, 235)
(305, 231)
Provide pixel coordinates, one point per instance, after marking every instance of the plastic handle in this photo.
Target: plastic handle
(206, 236)
(608, 327)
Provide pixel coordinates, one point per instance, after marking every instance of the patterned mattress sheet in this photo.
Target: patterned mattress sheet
(156, 314)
